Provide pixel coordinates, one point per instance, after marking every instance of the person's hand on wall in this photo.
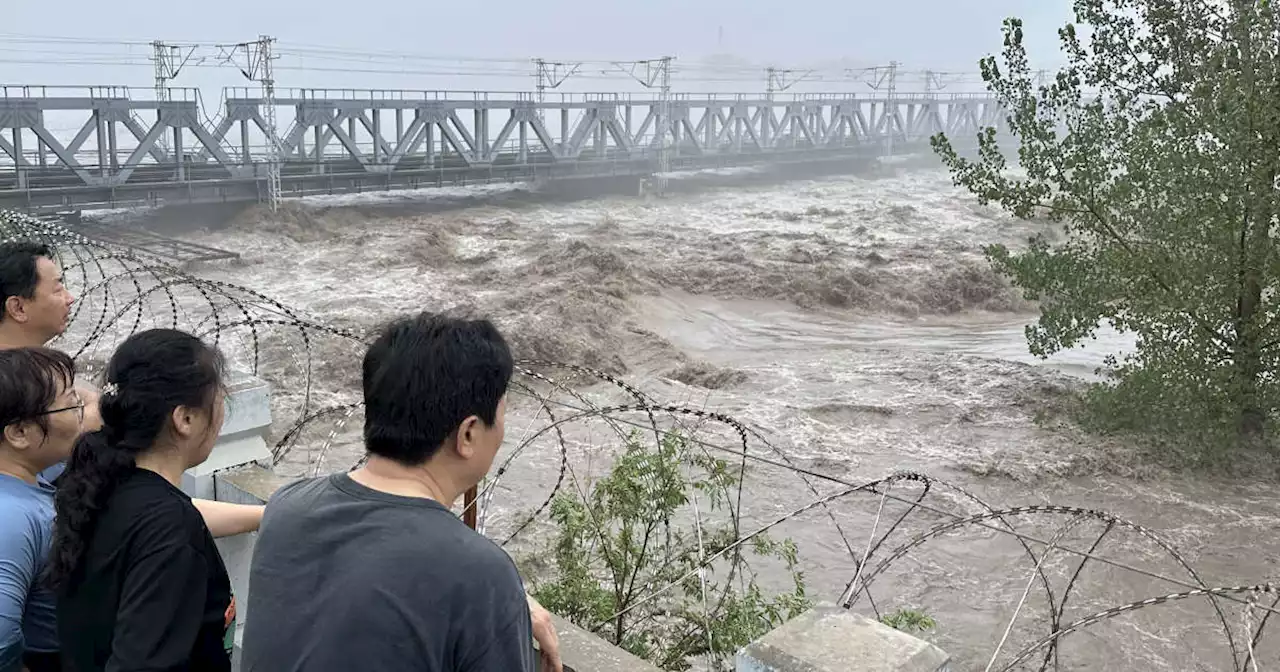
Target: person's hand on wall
(544, 633)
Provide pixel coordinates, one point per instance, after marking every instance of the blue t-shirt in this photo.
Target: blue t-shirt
(52, 473)
(28, 620)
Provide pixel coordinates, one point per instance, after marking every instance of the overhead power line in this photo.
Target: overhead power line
(12, 38)
(682, 73)
(307, 57)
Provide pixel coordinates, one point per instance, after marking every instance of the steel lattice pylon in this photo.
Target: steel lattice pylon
(664, 121)
(268, 81)
(657, 75)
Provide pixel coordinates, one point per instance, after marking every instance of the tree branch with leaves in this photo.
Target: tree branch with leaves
(1155, 150)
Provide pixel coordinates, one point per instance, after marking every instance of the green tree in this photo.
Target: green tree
(618, 545)
(1156, 149)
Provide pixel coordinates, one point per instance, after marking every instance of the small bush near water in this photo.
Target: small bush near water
(629, 563)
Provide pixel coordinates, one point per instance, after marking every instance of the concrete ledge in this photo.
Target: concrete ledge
(250, 484)
(828, 638)
(582, 651)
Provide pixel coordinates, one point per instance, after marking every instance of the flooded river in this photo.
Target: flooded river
(854, 324)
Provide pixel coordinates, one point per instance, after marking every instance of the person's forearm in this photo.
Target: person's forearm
(225, 519)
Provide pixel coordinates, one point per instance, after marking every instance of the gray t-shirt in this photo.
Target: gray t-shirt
(345, 578)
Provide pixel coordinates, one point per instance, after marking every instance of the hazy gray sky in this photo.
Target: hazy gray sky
(922, 34)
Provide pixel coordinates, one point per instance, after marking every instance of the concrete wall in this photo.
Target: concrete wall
(250, 484)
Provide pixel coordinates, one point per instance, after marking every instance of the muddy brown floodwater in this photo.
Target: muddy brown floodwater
(852, 321)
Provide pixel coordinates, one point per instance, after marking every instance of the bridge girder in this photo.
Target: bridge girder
(384, 132)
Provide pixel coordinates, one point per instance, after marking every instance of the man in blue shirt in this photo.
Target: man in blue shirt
(35, 308)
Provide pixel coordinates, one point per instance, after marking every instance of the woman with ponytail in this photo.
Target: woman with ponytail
(140, 583)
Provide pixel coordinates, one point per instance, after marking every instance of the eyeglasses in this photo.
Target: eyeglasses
(78, 407)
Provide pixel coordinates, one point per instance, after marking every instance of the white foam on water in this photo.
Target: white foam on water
(719, 172)
(422, 195)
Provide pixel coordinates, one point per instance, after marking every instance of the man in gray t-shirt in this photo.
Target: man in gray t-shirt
(370, 570)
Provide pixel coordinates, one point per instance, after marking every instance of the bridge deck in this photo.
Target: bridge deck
(135, 150)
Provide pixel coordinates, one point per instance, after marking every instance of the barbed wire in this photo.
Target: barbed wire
(121, 290)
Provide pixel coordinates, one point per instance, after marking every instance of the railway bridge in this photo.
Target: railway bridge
(132, 150)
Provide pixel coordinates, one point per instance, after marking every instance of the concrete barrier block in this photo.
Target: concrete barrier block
(583, 651)
(248, 404)
(237, 471)
(828, 638)
(248, 484)
(243, 439)
(237, 553)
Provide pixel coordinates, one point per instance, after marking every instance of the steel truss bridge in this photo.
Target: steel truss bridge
(131, 151)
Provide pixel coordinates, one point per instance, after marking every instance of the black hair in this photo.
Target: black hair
(423, 376)
(30, 380)
(18, 275)
(151, 373)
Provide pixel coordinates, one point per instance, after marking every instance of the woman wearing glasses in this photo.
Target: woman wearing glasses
(40, 419)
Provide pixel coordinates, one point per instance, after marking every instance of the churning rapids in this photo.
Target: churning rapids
(851, 320)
